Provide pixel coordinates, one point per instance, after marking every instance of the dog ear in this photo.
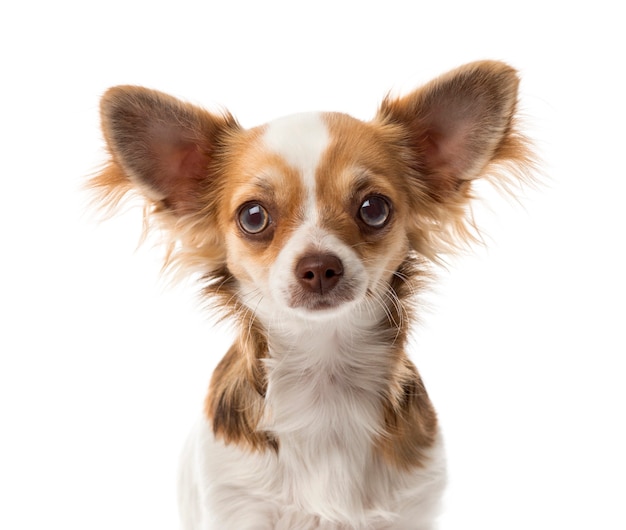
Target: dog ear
(455, 129)
(171, 152)
(455, 124)
(162, 146)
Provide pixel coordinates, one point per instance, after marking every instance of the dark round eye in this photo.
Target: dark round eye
(374, 211)
(253, 218)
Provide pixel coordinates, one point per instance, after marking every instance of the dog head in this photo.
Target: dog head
(314, 214)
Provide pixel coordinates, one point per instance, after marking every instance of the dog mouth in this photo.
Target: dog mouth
(320, 303)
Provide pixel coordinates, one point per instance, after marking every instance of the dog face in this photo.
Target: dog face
(313, 214)
(316, 218)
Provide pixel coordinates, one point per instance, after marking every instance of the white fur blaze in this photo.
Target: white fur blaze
(300, 140)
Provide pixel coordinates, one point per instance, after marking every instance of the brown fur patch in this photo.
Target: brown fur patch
(364, 159)
(235, 401)
(410, 422)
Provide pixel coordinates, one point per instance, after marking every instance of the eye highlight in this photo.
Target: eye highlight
(375, 211)
(253, 218)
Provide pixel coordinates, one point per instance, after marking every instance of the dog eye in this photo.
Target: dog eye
(374, 211)
(253, 218)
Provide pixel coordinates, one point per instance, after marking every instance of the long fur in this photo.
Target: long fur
(315, 417)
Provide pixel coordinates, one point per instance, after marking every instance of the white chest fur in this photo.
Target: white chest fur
(324, 406)
(323, 403)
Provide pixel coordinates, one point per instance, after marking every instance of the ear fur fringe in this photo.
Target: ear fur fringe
(441, 228)
(444, 223)
(513, 170)
(189, 246)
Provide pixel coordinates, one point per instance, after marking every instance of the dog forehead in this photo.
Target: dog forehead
(300, 139)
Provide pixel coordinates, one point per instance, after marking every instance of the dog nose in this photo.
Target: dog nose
(319, 273)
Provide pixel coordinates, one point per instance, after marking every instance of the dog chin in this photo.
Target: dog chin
(321, 314)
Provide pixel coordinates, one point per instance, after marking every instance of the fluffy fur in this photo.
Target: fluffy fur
(314, 232)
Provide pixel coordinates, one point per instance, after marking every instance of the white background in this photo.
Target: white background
(103, 368)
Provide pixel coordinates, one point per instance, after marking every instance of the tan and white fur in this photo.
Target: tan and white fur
(314, 233)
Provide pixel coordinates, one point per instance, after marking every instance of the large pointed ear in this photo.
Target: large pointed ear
(171, 152)
(457, 128)
(160, 145)
(456, 124)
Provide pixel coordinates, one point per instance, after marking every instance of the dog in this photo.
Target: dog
(314, 233)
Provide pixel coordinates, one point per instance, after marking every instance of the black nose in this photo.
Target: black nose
(319, 273)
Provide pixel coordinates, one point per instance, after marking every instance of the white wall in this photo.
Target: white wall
(103, 368)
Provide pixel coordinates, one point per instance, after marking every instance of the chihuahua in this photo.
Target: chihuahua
(314, 233)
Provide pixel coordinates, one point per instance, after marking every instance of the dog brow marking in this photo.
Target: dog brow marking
(301, 139)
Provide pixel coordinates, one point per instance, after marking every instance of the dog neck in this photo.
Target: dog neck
(316, 371)
(324, 404)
